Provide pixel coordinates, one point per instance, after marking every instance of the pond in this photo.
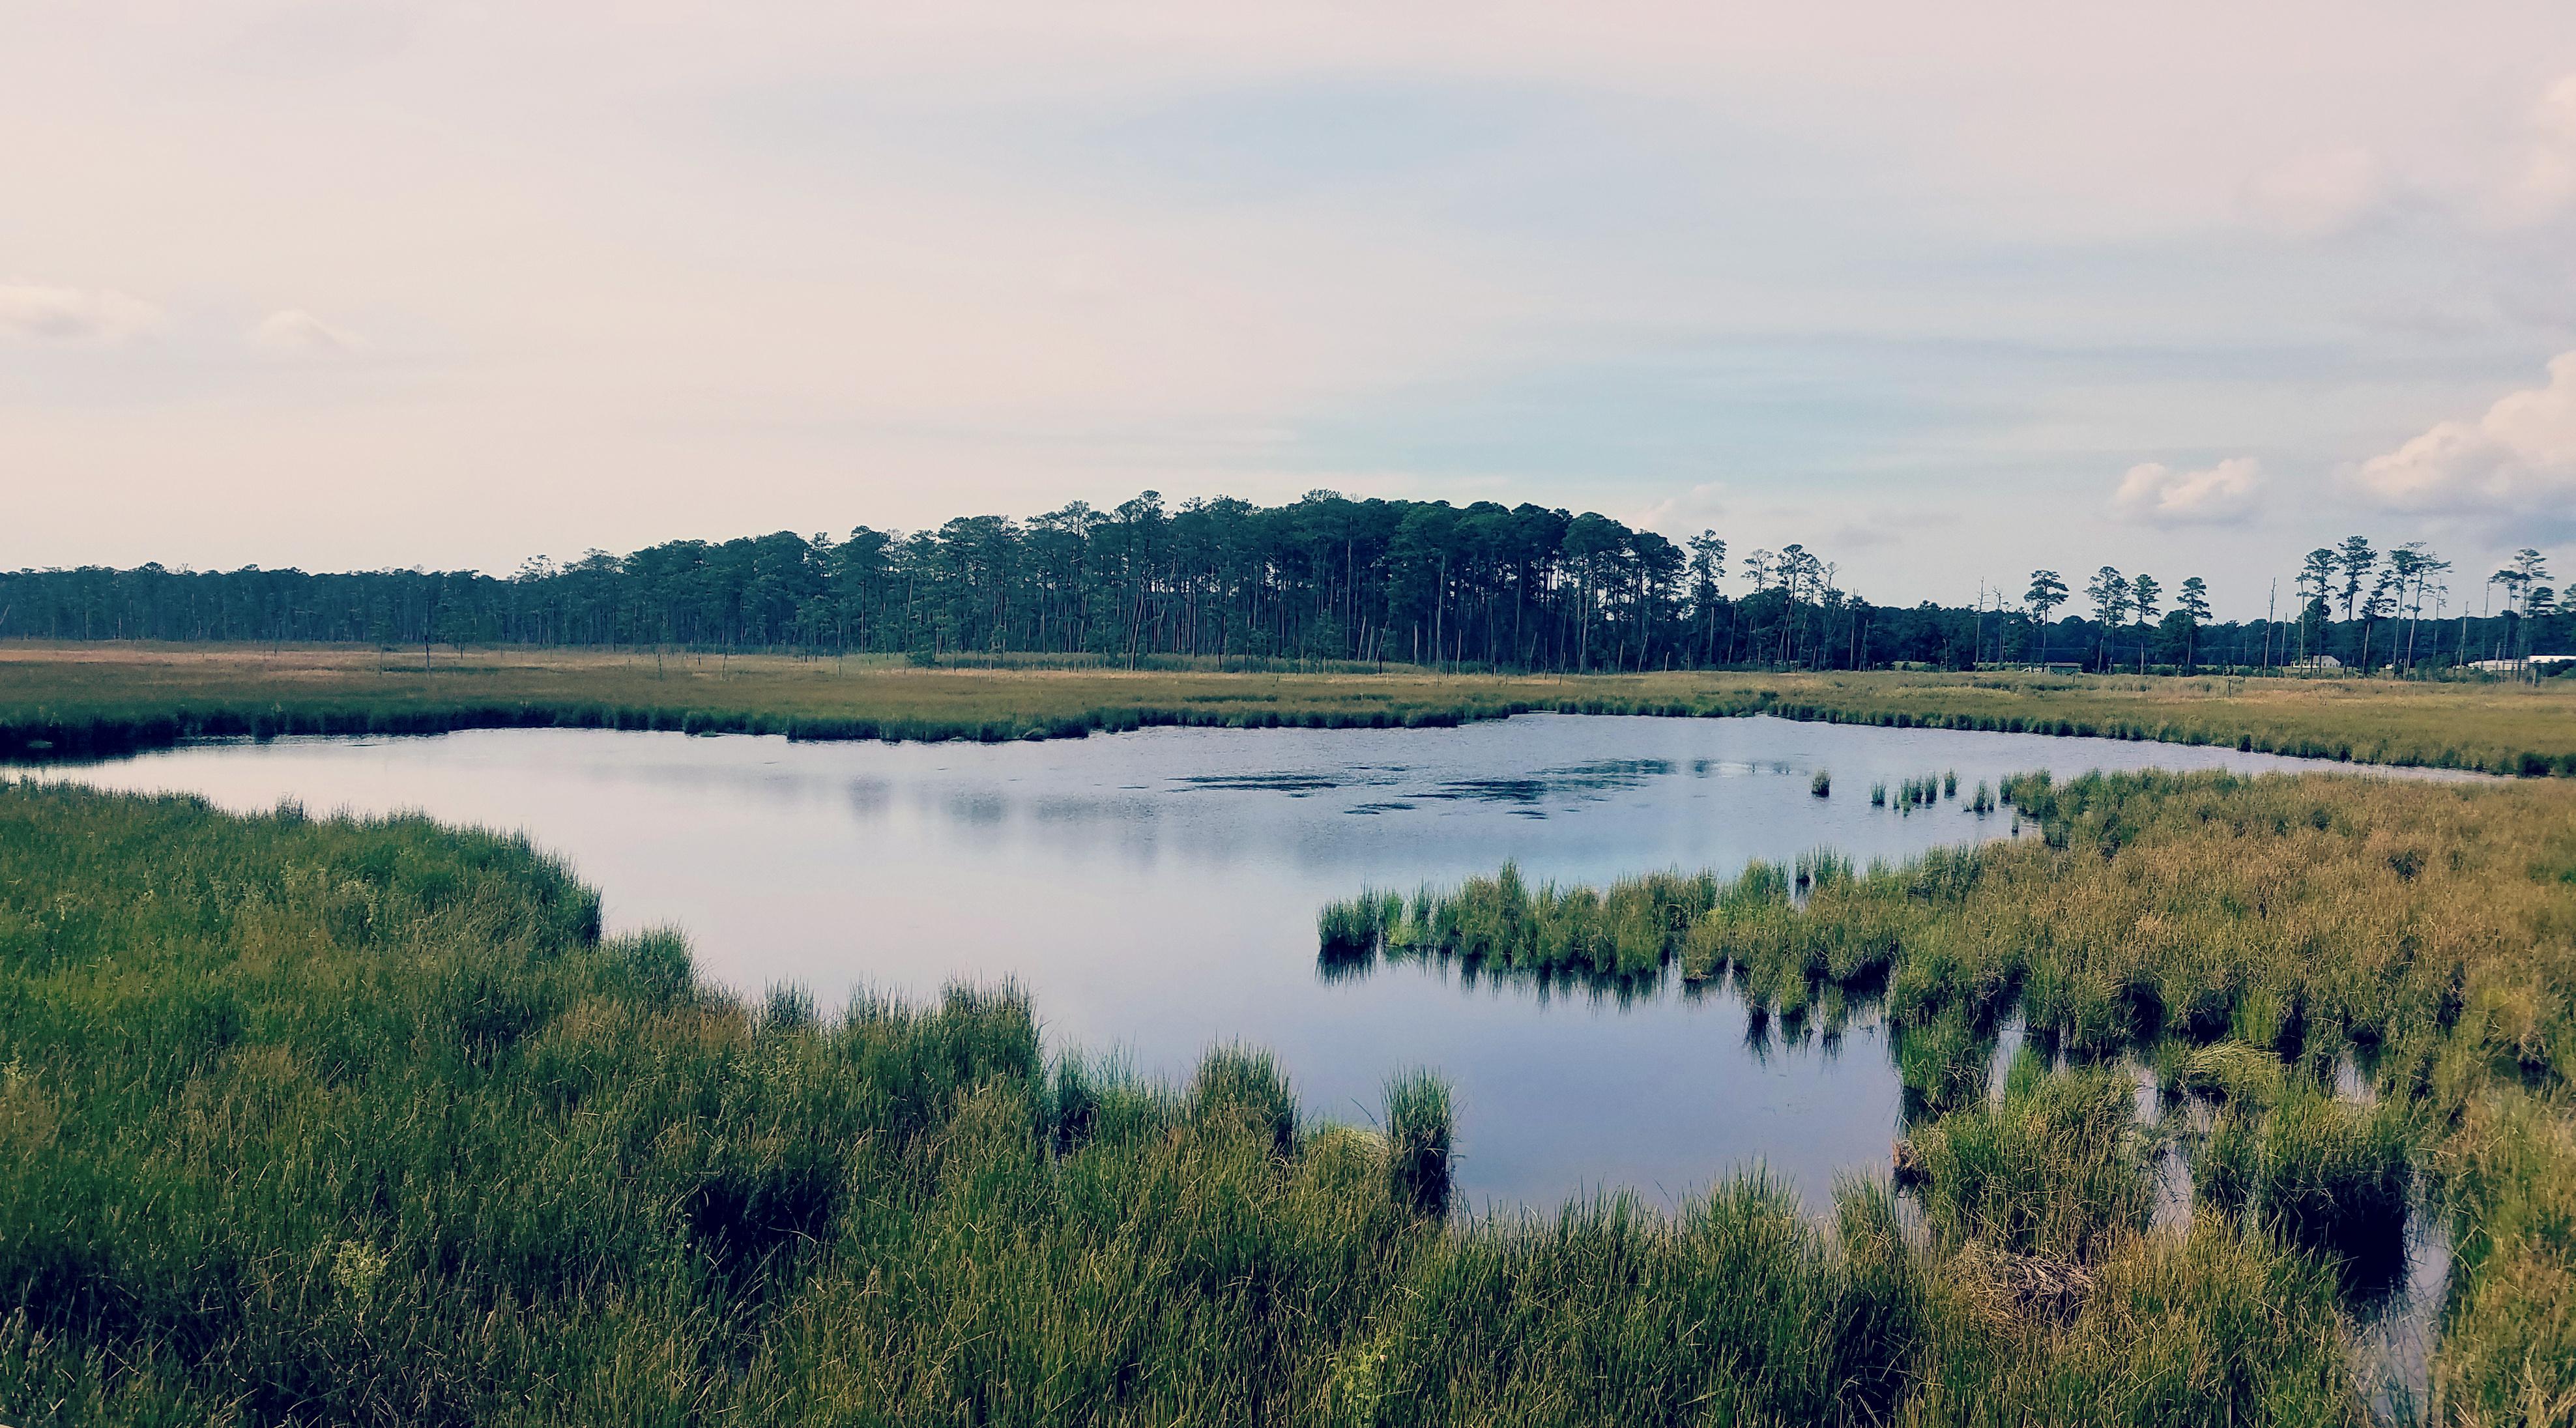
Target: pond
(1156, 894)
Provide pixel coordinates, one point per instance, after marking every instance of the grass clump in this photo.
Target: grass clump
(2323, 1174)
(2228, 1071)
(1418, 1128)
(2335, 1176)
(1243, 1090)
(1943, 1065)
(1819, 868)
(1358, 927)
(1822, 785)
(1629, 930)
(2056, 1169)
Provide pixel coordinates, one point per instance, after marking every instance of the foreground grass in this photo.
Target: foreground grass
(362, 1122)
(2245, 938)
(60, 701)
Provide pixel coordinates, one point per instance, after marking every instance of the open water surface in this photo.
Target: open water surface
(1156, 894)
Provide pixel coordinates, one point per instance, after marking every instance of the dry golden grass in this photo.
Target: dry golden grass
(102, 698)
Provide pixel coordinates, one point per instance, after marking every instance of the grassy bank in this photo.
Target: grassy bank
(349, 1123)
(59, 701)
(2247, 939)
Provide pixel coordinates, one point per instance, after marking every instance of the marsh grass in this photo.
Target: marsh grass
(2055, 1169)
(2273, 912)
(1419, 1117)
(2508, 1176)
(1943, 1064)
(317, 1121)
(1631, 929)
(1820, 868)
(2320, 1173)
(83, 701)
(2240, 938)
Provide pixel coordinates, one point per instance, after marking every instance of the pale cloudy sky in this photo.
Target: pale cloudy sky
(1946, 292)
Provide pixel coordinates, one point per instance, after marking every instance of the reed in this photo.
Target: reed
(1822, 785)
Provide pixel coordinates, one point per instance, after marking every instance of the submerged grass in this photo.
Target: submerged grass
(75, 701)
(365, 1123)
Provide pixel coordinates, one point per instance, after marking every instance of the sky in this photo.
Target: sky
(1944, 292)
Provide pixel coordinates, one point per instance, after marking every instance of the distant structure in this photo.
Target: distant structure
(2319, 664)
(2527, 664)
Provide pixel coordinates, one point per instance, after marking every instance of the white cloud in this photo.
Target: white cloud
(2547, 183)
(2519, 457)
(2159, 495)
(2556, 116)
(1684, 515)
(294, 332)
(34, 310)
(2319, 194)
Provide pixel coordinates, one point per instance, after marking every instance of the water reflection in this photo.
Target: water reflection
(1157, 893)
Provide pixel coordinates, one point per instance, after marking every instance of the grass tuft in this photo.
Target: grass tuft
(1418, 1124)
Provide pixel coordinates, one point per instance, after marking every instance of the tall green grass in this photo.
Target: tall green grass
(2056, 1168)
(1419, 1119)
(365, 1123)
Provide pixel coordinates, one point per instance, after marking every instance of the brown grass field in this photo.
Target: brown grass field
(59, 700)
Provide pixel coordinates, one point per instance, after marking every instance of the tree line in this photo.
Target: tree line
(1323, 578)
(2358, 607)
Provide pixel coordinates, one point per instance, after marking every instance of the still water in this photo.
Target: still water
(1156, 894)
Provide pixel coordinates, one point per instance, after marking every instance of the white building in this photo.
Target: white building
(2541, 663)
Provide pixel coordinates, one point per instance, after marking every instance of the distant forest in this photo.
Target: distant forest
(1324, 578)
